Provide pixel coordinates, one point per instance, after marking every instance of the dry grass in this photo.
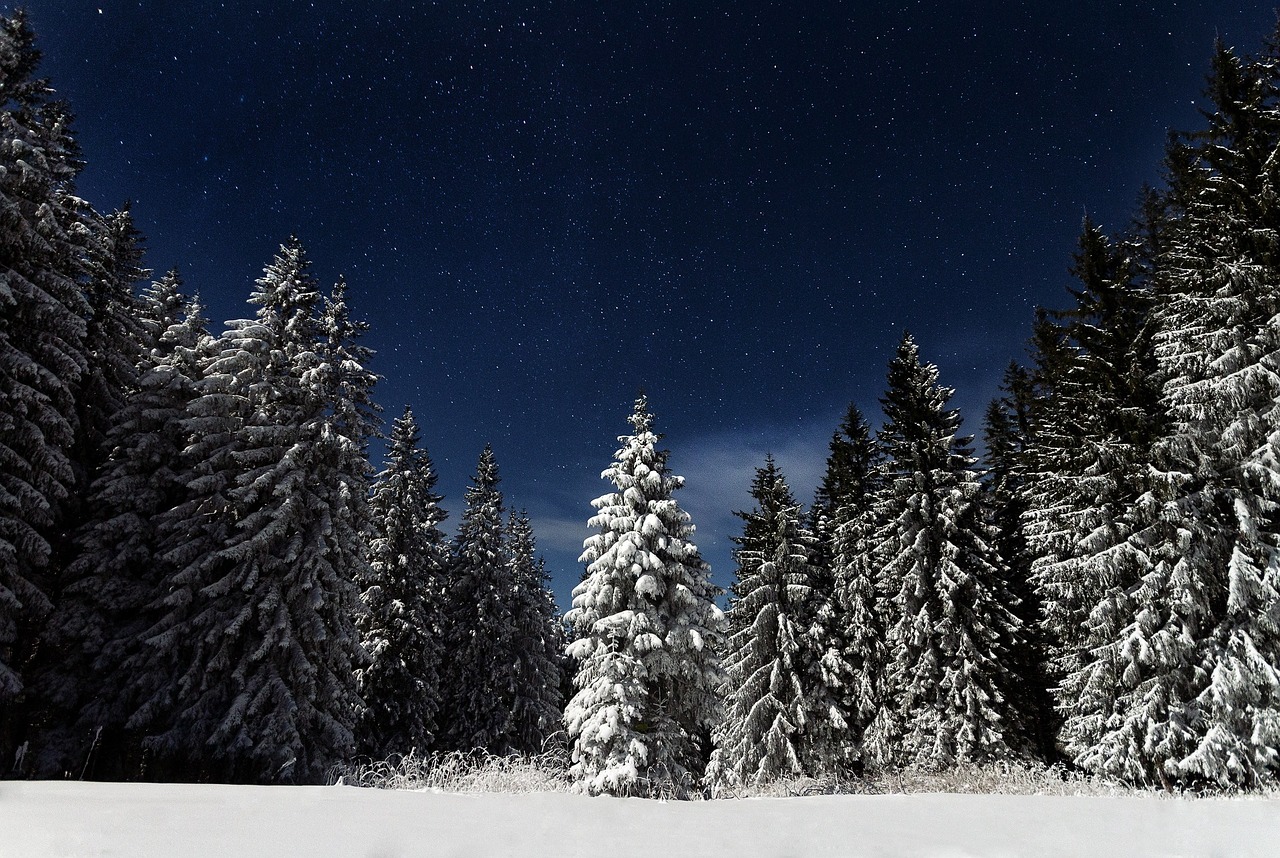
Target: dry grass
(994, 779)
(476, 772)
(479, 772)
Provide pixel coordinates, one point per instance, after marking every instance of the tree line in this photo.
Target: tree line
(1103, 592)
(202, 576)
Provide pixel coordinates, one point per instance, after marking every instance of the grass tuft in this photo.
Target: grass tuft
(457, 772)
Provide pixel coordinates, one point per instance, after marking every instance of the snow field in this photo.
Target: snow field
(83, 820)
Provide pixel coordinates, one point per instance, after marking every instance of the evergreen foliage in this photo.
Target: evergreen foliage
(1199, 695)
(403, 593)
(537, 644)
(258, 646)
(949, 629)
(42, 335)
(114, 337)
(780, 719)
(116, 572)
(1092, 446)
(647, 632)
(480, 684)
(197, 580)
(1007, 437)
(854, 655)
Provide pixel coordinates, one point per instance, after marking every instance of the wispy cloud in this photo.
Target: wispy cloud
(561, 534)
(718, 470)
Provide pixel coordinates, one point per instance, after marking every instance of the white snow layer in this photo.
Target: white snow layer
(39, 819)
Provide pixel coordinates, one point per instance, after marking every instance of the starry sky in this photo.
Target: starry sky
(542, 207)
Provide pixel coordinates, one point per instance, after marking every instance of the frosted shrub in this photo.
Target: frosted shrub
(458, 772)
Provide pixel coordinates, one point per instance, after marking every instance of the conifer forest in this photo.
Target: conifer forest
(221, 560)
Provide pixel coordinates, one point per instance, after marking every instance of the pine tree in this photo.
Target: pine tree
(403, 624)
(647, 632)
(116, 571)
(854, 653)
(851, 463)
(537, 643)
(481, 682)
(779, 719)
(1092, 440)
(42, 332)
(945, 694)
(1007, 437)
(1197, 662)
(258, 647)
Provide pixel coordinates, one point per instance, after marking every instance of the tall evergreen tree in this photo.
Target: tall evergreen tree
(1197, 661)
(854, 653)
(647, 631)
(851, 461)
(116, 572)
(42, 331)
(1092, 446)
(481, 681)
(403, 623)
(779, 718)
(258, 646)
(537, 644)
(1007, 437)
(949, 630)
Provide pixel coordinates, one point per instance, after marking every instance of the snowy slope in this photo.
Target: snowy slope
(142, 820)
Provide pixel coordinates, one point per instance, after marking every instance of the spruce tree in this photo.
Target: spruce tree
(647, 631)
(1093, 443)
(537, 644)
(848, 479)
(258, 646)
(779, 719)
(403, 623)
(1007, 436)
(42, 331)
(116, 571)
(1199, 693)
(481, 680)
(945, 697)
(854, 653)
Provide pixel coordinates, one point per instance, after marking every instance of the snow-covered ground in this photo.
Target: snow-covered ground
(189, 821)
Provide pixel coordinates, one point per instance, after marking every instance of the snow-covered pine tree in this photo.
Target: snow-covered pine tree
(1092, 442)
(1197, 663)
(647, 628)
(945, 692)
(42, 331)
(1007, 436)
(851, 460)
(116, 571)
(537, 643)
(1109, 384)
(780, 719)
(854, 654)
(481, 677)
(258, 647)
(403, 624)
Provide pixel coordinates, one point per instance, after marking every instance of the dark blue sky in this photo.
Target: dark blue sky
(542, 207)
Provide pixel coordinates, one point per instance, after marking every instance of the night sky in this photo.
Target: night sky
(543, 207)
